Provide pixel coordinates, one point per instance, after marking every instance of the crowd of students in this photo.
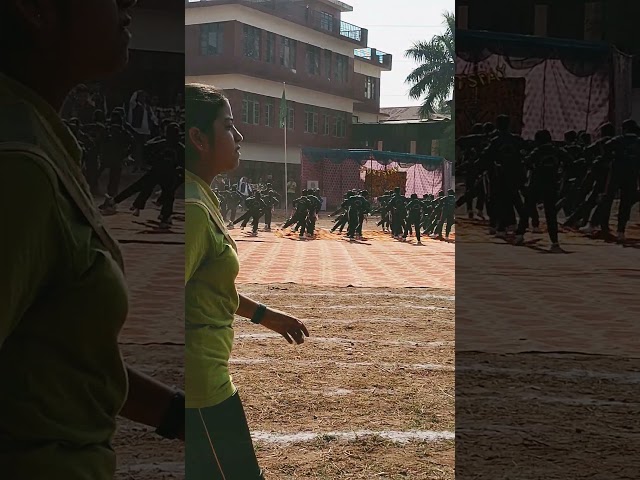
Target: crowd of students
(577, 177)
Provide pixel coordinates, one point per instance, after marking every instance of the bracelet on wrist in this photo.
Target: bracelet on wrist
(259, 314)
(173, 421)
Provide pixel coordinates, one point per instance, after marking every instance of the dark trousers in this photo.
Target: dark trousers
(549, 199)
(92, 172)
(584, 209)
(311, 223)
(628, 193)
(115, 173)
(414, 224)
(218, 443)
(360, 223)
(233, 210)
(267, 216)
(508, 199)
(397, 222)
(340, 223)
(448, 218)
(353, 224)
(242, 218)
(145, 182)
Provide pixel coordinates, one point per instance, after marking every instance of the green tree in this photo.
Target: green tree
(433, 79)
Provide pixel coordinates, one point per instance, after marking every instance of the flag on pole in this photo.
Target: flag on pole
(283, 111)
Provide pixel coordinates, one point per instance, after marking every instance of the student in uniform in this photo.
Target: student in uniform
(218, 444)
(63, 293)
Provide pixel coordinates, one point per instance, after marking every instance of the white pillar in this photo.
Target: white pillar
(541, 20)
(593, 20)
(462, 17)
(435, 147)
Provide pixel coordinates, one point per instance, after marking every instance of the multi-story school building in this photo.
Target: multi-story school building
(250, 47)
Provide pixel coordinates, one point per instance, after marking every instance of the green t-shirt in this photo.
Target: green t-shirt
(211, 298)
(63, 301)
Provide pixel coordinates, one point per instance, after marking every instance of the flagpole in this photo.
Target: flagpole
(286, 121)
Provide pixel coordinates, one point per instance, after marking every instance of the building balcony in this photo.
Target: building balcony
(299, 13)
(375, 57)
(232, 65)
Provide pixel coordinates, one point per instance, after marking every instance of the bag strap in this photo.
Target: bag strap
(80, 198)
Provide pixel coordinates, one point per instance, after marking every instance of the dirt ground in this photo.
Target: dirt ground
(369, 395)
(382, 361)
(558, 416)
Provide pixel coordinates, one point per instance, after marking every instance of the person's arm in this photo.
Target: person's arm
(30, 243)
(153, 403)
(292, 329)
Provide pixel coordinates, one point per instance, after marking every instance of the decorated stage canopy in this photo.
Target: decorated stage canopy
(337, 171)
(541, 83)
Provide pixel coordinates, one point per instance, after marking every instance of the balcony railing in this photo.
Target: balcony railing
(298, 12)
(374, 55)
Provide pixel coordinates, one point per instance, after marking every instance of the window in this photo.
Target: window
(340, 127)
(271, 47)
(250, 110)
(291, 119)
(211, 39)
(355, 119)
(313, 60)
(326, 122)
(288, 53)
(310, 120)
(342, 63)
(326, 21)
(252, 42)
(370, 88)
(327, 64)
(268, 114)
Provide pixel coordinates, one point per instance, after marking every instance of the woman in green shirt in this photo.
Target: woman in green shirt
(218, 444)
(63, 296)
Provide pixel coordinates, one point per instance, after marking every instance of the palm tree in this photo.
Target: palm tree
(434, 78)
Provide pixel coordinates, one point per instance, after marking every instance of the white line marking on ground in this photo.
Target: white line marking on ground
(366, 305)
(394, 321)
(308, 363)
(381, 294)
(581, 401)
(631, 378)
(394, 436)
(341, 392)
(349, 341)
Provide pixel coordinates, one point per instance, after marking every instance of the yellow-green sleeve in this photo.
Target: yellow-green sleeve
(197, 238)
(31, 238)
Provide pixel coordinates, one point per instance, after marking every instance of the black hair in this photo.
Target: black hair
(203, 104)
(607, 130)
(629, 126)
(543, 136)
(488, 127)
(570, 136)
(98, 116)
(502, 123)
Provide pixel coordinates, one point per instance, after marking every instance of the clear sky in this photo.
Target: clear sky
(393, 26)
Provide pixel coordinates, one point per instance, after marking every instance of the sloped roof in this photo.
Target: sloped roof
(410, 114)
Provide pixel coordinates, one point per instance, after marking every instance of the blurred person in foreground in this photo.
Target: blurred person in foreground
(63, 294)
(218, 444)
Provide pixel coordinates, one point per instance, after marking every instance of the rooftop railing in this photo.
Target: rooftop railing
(374, 55)
(297, 11)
